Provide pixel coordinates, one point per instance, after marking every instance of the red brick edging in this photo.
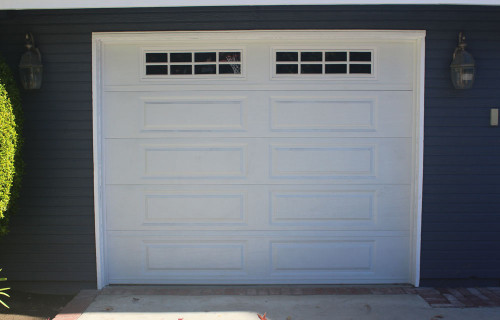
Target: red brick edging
(460, 297)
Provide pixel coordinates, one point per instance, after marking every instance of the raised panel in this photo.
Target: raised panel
(194, 114)
(190, 161)
(194, 208)
(322, 206)
(310, 256)
(322, 161)
(323, 114)
(191, 256)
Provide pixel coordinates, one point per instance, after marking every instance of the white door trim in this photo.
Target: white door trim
(98, 39)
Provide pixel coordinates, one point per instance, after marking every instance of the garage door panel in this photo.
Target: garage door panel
(171, 260)
(142, 115)
(206, 260)
(364, 113)
(322, 161)
(307, 256)
(265, 208)
(163, 207)
(146, 161)
(340, 208)
(258, 161)
(358, 258)
(272, 114)
(391, 60)
(184, 161)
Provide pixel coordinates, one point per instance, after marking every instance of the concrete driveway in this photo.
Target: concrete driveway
(152, 303)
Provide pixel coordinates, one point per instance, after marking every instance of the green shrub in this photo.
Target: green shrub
(11, 164)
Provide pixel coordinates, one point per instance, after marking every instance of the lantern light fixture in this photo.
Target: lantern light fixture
(463, 66)
(30, 66)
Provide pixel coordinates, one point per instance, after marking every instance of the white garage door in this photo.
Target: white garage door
(257, 157)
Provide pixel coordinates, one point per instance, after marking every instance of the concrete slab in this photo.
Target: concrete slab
(278, 307)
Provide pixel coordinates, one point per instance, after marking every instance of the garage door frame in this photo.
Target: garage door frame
(417, 37)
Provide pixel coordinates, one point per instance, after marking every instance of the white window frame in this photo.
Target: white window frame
(332, 76)
(174, 49)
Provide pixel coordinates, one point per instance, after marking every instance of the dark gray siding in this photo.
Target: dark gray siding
(52, 237)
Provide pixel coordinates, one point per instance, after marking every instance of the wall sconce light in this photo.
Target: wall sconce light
(30, 66)
(463, 67)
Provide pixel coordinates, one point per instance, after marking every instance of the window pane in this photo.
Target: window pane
(311, 68)
(360, 56)
(181, 69)
(230, 68)
(360, 68)
(311, 56)
(156, 69)
(229, 56)
(156, 57)
(205, 69)
(335, 68)
(287, 68)
(205, 57)
(336, 56)
(287, 56)
(181, 57)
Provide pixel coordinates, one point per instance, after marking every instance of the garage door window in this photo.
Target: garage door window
(181, 64)
(323, 62)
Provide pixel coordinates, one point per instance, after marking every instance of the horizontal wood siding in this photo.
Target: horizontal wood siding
(52, 237)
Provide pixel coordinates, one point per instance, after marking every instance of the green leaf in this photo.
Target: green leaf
(3, 303)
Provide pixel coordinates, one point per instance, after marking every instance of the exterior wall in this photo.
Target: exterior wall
(52, 237)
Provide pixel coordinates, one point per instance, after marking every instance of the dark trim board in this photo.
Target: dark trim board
(52, 237)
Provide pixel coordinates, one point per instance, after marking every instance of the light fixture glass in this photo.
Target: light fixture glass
(30, 66)
(463, 66)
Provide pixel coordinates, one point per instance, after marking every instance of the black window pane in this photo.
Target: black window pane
(156, 57)
(336, 56)
(181, 57)
(287, 69)
(360, 68)
(311, 56)
(311, 68)
(360, 56)
(181, 69)
(205, 57)
(229, 69)
(205, 69)
(156, 69)
(335, 68)
(229, 56)
(287, 56)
